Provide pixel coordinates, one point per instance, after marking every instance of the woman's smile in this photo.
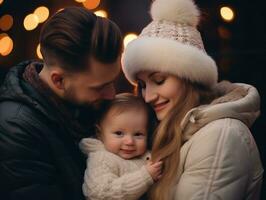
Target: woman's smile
(160, 106)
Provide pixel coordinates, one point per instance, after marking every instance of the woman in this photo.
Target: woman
(203, 137)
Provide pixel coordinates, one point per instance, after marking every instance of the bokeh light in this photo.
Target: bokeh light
(1, 1)
(2, 35)
(31, 21)
(6, 45)
(42, 13)
(227, 13)
(101, 13)
(224, 32)
(38, 51)
(80, 1)
(6, 22)
(128, 38)
(91, 4)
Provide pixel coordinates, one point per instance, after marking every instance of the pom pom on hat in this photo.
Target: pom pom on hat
(179, 11)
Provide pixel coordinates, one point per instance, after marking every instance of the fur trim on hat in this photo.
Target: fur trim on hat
(179, 11)
(171, 44)
(164, 55)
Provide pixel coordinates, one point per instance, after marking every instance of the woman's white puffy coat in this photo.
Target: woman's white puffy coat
(220, 159)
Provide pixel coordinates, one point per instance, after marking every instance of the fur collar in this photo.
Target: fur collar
(239, 101)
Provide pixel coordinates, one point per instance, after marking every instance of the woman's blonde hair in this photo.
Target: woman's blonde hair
(168, 139)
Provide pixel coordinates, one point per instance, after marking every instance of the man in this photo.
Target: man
(39, 103)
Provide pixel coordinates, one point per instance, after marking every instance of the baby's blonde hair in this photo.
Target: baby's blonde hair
(125, 102)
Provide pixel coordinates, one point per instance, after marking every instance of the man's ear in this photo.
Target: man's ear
(57, 78)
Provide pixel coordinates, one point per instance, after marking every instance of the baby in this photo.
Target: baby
(117, 166)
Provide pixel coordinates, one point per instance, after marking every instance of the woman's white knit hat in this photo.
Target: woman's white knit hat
(171, 43)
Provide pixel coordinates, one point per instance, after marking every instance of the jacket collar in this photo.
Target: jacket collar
(239, 101)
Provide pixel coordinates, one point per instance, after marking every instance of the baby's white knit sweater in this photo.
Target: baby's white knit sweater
(111, 177)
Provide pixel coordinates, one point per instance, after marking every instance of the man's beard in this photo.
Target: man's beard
(70, 99)
(86, 113)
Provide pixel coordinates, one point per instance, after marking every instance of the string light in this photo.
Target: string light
(91, 4)
(101, 13)
(6, 22)
(224, 32)
(80, 1)
(38, 51)
(2, 35)
(128, 38)
(227, 13)
(31, 21)
(6, 45)
(42, 13)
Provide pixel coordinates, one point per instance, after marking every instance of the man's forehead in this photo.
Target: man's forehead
(102, 74)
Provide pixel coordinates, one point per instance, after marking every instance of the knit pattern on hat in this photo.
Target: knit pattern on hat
(108, 176)
(170, 30)
(171, 43)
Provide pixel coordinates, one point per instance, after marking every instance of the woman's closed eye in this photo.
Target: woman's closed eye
(158, 79)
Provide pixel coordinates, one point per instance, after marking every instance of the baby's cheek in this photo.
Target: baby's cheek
(143, 148)
(112, 147)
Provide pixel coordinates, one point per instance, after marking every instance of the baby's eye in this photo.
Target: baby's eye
(139, 135)
(118, 133)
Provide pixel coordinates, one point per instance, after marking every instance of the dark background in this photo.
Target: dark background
(241, 56)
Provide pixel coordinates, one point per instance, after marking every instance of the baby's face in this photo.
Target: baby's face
(125, 133)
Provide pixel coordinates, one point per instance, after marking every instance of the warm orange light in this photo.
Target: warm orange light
(31, 21)
(128, 38)
(91, 4)
(101, 13)
(224, 32)
(1, 1)
(80, 1)
(38, 51)
(6, 22)
(6, 45)
(227, 13)
(42, 13)
(2, 35)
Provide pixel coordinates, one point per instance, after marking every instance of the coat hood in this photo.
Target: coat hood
(15, 88)
(239, 101)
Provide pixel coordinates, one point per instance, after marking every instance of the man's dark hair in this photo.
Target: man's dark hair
(75, 34)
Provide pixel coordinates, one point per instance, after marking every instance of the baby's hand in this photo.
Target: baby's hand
(155, 169)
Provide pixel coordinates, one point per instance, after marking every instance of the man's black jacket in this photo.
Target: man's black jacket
(39, 158)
